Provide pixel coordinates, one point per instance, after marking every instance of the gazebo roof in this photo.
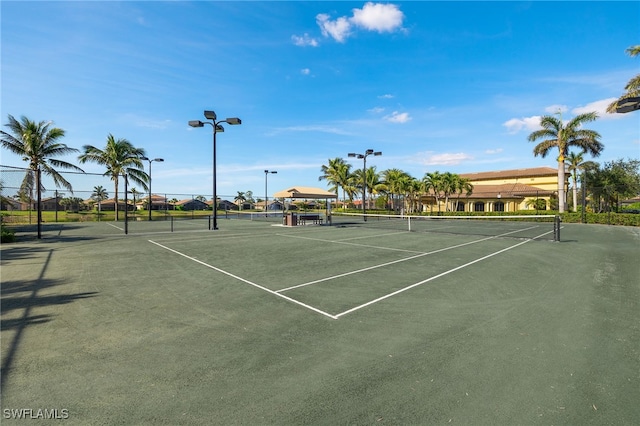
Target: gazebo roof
(305, 192)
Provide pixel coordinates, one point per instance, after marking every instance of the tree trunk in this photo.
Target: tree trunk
(575, 194)
(561, 192)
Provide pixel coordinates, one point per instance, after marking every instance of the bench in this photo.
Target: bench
(315, 218)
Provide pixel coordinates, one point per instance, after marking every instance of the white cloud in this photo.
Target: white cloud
(338, 29)
(397, 117)
(527, 123)
(386, 96)
(445, 159)
(493, 151)
(305, 71)
(376, 110)
(309, 128)
(554, 109)
(599, 107)
(372, 17)
(304, 40)
(378, 17)
(149, 123)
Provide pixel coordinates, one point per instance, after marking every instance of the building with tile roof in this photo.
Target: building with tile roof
(502, 191)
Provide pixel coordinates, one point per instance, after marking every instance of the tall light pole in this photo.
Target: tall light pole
(157, 160)
(364, 176)
(212, 117)
(266, 196)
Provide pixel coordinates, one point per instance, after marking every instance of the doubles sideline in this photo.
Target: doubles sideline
(278, 293)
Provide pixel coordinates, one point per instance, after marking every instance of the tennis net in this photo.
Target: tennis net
(543, 227)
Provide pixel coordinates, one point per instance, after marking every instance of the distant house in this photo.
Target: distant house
(225, 205)
(191, 204)
(52, 204)
(158, 202)
(7, 203)
(502, 191)
(109, 205)
(273, 205)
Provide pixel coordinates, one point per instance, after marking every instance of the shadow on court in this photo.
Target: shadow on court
(20, 299)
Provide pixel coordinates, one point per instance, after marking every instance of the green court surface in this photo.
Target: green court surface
(262, 324)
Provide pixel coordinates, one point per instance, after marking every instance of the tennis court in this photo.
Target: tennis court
(357, 323)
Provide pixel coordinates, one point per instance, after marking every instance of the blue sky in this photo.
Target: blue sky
(447, 86)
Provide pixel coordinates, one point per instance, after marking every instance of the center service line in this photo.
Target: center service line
(436, 276)
(245, 281)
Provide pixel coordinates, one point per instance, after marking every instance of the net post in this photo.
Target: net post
(409, 222)
(556, 228)
(171, 223)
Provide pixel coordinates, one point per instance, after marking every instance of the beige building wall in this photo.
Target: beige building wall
(503, 190)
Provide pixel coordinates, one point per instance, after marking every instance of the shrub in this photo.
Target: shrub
(7, 235)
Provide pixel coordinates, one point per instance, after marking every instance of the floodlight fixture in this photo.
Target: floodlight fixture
(216, 127)
(628, 105)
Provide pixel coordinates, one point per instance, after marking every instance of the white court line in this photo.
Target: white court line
(351, 244)
(371, 236)
(382, 265)
(117, 227)
(245, 281)
(389, 263)
(436, 276)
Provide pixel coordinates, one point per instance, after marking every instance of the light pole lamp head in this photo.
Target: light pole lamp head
(233, 121)
(352, 154)
(159, 160)
(196, 123)
(377, 153)
(628, 105)
(369, 152)
(274, 172)
(210, 115)
(144, 158)
(219, 128)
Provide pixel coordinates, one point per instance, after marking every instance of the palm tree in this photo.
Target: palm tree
(449, 187)
(433, 181)
(371, 180)
(463, 185)
(240, 199)
(37, 143)
(555, 134)
(574, 163)
(395, 180)
(632, 87)
(99, 194)
(134, 193)
(120, 158)
(337, 174)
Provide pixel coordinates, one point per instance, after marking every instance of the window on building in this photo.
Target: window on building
(478, 206)
(459, 206)
(498, 206)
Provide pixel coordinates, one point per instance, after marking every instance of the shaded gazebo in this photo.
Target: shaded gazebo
(309, 193)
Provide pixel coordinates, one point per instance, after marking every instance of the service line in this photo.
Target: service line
(244, 280)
